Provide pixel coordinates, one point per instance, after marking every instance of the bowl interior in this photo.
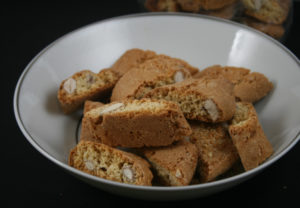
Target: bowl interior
(200, 41)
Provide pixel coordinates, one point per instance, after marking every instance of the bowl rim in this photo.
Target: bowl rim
(237, 177)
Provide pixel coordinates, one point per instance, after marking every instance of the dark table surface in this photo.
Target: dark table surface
(29, 178)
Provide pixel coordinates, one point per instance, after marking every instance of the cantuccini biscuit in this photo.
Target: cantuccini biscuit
(249, 87)
(139, 123)
(130, 59)
(162, 5)
(85, 85)
(268, 11)
(215, 4)
(109, 163)
(156, 72)
(173, 165)
(248, 136)
(216, 151)
(178, 63)
(197, 5)
(227, 12)
(273, 30)
(207, 99)
(87, 132)
(190, 5)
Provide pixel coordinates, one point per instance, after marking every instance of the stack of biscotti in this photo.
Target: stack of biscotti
(267, 16)
(154, 128)
(87, 85)
(167, 123)
(220, 8)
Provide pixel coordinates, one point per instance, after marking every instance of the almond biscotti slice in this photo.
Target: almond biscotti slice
(87, 132)
(130, 59)
(139, 123)
(216, 151)
(248, 136)
(109, 163)
(85, 85)
(156, 72)
(207, 99)
(174, 165)
(248, 87)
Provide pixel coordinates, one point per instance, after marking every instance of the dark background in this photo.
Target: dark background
(30, 179)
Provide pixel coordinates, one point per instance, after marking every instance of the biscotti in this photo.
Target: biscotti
(207, 99)
(248, 86)
(85, 85)
(268, 11)
(162, 5)
(273, 30)
(87, 132)
(130, 59)
(216, 151)
(153, 97)
(197, 5)
(156, 72)
(173, 165)
(139, 123)
(248, 136)
(227, 12)
(106, 162)
(186, 5)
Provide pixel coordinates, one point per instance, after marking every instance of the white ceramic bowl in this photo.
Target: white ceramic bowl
(202, 41)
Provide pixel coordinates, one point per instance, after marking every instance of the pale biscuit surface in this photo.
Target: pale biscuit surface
(109, 163)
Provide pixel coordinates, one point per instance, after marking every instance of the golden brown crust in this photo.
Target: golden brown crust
(233, 74)
(174, 165)
(249, 87)
(130, 59)
(89, 105)
(106, 162)
(153, 73)
(139, 123)
(216, 151)
(85, 85)
(87, 132)
(252, 88)
(248, 136)
(207, 99)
